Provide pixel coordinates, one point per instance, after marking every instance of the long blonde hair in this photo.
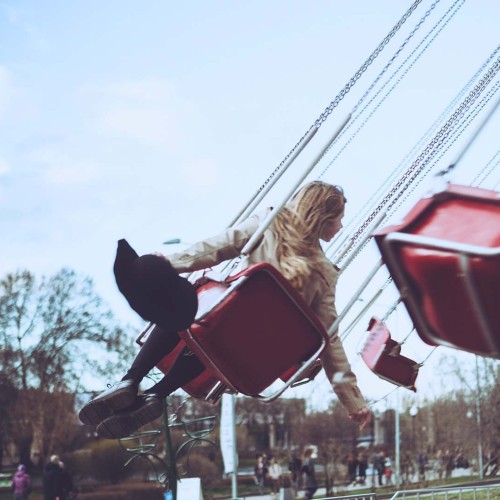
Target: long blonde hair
(299, 225)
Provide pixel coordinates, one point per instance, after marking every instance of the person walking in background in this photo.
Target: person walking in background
(379, 464)
(422, 464)
(449, 460)
(308, 466)
(295, 467)
(52, 479)
(362, 467)
(275, 472)
(352, 468)
(388, 471)
(21, 483)
(260, 473)
(67, 485)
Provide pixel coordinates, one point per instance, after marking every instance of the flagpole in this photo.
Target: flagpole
(228, 441)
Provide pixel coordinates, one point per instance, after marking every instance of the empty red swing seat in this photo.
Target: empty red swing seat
(382, 355)
(253, 328)
(445, 259)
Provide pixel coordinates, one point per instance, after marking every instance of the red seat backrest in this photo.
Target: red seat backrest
(258, 333)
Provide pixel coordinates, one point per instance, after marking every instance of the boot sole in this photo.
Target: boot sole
(95, 411)
(123, 425)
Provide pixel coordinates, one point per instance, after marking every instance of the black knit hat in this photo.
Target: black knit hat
(153, 288)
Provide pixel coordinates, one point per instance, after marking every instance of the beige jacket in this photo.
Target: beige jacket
(318, 292)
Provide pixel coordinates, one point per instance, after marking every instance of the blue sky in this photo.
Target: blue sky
(154, 120)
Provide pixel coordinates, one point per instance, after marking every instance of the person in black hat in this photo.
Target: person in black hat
(155, 290)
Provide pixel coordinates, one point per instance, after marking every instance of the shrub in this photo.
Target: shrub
(106, 462)
(202, 467)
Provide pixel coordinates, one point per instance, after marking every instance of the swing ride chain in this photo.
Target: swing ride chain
(412, 172)
(323, 117)
(396, 54)
(466, 123)
(398, 81)
(450, 125)
(278, 168)
(434, 126)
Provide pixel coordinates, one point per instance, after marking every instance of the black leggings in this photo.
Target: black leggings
(157, 346)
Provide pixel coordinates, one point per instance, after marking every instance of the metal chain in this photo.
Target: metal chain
(464, 125)
(431, 150)
(323, 117)
(398, 81)
(460, 130)
(476, 181)
(278, 168)
(396, 54)
(422, 140)
(414, 170)
(445, 135)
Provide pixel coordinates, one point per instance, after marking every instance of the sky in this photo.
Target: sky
(158, 120)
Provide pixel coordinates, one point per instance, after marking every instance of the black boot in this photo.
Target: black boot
(146, 408)
(118, 397)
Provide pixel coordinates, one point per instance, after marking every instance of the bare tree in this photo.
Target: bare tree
(52, 333)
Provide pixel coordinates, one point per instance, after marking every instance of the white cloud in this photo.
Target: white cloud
(4, 167)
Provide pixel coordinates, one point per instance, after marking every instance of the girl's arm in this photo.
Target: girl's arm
(334, 360)
(212, 251)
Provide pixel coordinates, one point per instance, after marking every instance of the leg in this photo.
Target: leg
(186, 368)
(148, 407)
(124, 393)
(159, 343)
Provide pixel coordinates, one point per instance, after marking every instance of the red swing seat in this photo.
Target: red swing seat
(299, 324)
(253, 328)
(445, 259)
(382, 355)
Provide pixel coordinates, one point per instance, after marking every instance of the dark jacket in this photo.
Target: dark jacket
(67, 486)
(310, 474)
(52, 481)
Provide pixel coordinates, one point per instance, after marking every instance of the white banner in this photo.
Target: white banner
(228, 434)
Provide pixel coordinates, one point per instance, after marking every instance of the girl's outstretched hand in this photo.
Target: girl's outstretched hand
(362, 417)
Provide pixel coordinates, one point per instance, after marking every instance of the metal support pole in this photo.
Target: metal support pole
(397, 452)
(478, 421)
(169, 454)
(234, 476)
